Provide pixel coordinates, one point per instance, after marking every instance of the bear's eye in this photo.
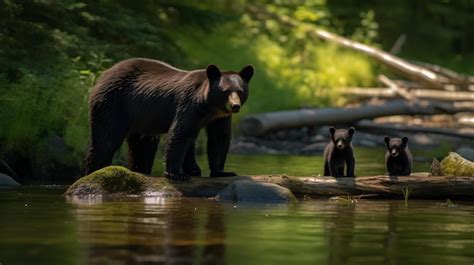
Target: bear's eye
(239, 92)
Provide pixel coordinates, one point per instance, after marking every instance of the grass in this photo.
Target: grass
(406, 194)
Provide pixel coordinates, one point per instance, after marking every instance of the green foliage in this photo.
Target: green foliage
(51, 52)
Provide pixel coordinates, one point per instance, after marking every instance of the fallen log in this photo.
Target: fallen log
(403, 92)
(420, 186)
(384, 186)
(387, 92)
(410, 70)
(439, 77)
(387, 128)
(260, 124)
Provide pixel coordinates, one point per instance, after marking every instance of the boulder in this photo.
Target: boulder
(118, 181)
(7, 182)
(248, 191)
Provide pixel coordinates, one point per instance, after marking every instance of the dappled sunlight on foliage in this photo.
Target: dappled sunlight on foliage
(52, 52)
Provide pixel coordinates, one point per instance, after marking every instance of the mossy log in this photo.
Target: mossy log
(420, 186)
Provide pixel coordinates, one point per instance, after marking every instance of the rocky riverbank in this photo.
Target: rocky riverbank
(311, 141)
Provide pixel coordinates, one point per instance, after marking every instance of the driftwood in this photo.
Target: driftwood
(260, 124)
(389, 93)
(372, 126)
(383, 186)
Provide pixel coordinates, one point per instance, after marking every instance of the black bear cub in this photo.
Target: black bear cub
(398, 157)
(338, 153)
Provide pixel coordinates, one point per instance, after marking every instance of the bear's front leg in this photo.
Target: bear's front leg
(350, 167)
(218, 143)
(181, 134)
(335, 170)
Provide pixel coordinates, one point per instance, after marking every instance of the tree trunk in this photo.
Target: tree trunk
(260, 124)
(372, 126)
(417, 93)
(421, 187)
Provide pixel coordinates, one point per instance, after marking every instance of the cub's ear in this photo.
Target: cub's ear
(351, 131)
(387, 140)
(404, 140)
(246, 73)
(332, 130)
(213, 73)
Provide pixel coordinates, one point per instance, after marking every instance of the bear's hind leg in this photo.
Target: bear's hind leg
(102, 148)
(141, 152)
(190, 165)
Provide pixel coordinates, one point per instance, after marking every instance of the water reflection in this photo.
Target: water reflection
(153, 231)
(37, 226)
(341, 231)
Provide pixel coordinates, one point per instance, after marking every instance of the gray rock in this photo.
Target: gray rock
(7, 182)
(466, 152)
(316, 148)
(255, 192)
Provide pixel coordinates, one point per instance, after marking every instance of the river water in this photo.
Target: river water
(39, 226)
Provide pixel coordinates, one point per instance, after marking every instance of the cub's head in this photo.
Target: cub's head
(395, 146)
(228, 91)
(341, 138)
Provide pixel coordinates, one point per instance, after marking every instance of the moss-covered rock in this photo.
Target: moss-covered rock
(116, 180)
(456, 165)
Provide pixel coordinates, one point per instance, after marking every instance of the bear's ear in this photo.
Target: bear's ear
(332, 130)
(351, 131)
(404, 140)
(213, 73)
(387, 140)
(246, 73)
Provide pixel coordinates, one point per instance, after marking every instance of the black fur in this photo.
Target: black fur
(139, 99)
(398, 157)
(338, 153)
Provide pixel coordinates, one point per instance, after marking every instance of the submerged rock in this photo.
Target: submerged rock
(7, 182)
(255, 192)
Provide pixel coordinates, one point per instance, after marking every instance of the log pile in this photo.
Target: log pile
(425, 89)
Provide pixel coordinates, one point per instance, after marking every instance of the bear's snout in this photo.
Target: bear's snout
(340, 144)
(394, 153)
(235, 108)
(234, 102)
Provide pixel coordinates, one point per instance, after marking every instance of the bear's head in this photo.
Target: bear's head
(341, 138)
(395, 146)
(228, 90)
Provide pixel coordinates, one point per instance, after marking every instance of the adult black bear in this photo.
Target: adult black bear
(139, 99)
(398, 158)
(338, 153)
